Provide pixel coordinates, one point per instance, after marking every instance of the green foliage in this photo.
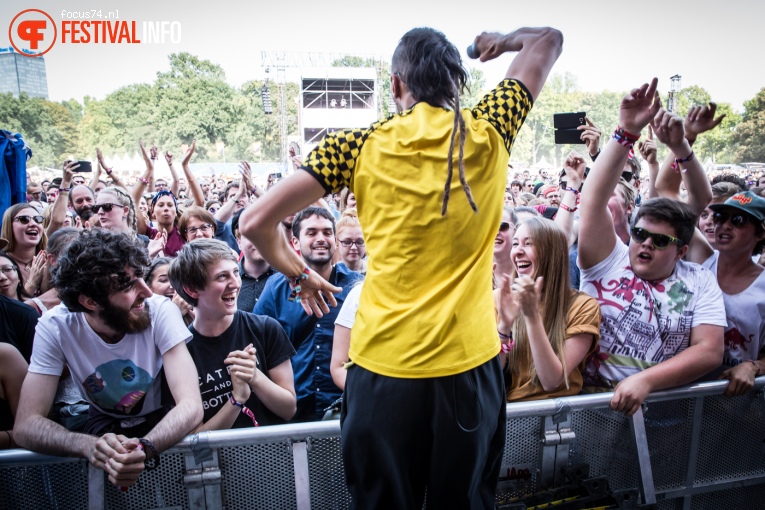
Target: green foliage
(750, 133)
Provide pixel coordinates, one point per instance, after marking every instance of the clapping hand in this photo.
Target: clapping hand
(701, 119)
(529, 294)
(668, 128)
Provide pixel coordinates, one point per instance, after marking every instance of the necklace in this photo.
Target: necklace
(27, 265)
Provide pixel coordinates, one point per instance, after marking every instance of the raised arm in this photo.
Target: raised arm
(194, 186)
(140, 186)
(538, 49)
(227, 210)
(686, 168)
(648, 152)
(574, 172)
(110, 172)
(58, 212)
(176, 185)
(597, 237)
(261, 224)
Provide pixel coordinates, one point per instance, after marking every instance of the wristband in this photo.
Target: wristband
(572, 190)
(567, 208)
(678, 161)
(756, 365)
(109, 171)
(295, 284)
(245, 410)
(625, 138)
(143, 180)
(507, 342)
(593, 158)
(145, 443)
(64, 190)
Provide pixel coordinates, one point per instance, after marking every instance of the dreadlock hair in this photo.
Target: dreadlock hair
(431, 68)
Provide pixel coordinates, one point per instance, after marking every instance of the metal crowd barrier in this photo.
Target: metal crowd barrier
(687, 448)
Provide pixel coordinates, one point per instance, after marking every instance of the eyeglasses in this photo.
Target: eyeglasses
(553, 195)
(107, 207)
(627, 176)
(8, 270)
(70, 214)
(24, 220)
(348, 242)
(204, 228)
(737, 220)
(660, 241)
(505, 226)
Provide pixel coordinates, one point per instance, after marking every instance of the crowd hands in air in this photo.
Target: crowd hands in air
(607, 278)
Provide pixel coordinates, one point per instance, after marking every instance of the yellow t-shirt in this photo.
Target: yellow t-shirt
(426, 309)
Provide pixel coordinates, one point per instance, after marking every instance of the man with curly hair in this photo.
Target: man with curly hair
(115, 336)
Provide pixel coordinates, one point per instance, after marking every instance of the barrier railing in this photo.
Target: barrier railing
(687, 448)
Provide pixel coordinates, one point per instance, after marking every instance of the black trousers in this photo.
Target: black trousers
(400, 436)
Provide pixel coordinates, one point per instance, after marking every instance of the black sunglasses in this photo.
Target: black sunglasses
(737, 220)
(24, 220)
(660, 241)
(107, 207)
(627, 176)
(505, 226)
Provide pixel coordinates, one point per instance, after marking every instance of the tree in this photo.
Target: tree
(750, 133)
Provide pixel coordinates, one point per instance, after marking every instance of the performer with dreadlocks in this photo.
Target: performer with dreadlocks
(424, 398)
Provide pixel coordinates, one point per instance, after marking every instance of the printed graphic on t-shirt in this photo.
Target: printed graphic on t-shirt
(736, 346)
(215, 388)
(653, 323)
(118, 385)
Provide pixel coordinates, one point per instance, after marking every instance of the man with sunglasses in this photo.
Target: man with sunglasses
(663, 318)
(739, 235)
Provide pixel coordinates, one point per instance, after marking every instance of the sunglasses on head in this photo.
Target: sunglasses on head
(738, 220)
(107, 207)
(505, 226)
(24, 220)
(660, 241)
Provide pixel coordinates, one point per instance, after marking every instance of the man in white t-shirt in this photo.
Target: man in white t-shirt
(663, 318)
(115, 336)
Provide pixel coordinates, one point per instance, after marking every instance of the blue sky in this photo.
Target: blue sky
(608, 45)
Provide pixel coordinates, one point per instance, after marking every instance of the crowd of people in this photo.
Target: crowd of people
(138, 313)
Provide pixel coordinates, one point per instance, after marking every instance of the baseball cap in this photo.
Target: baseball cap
(748, 202)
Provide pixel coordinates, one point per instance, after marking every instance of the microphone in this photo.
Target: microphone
(472, 51)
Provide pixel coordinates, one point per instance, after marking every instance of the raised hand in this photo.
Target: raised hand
(489, 45)
(574, 168)
(648, 148)
(69, 169)
(100, 158)
(669, 130)
(153, 151)
(639, 107)
(188, 153)
(246, 171)
(168, 158)
(149, 161)
(701, 119)
(591, 137)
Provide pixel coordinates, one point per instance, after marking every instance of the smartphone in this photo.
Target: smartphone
(278, 175)
(85, 166)
(566, 125)
(294, 149)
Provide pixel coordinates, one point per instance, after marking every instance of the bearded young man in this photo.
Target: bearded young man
(115, 336)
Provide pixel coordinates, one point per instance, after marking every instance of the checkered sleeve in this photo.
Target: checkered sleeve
(332, 161)
(505, 108)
